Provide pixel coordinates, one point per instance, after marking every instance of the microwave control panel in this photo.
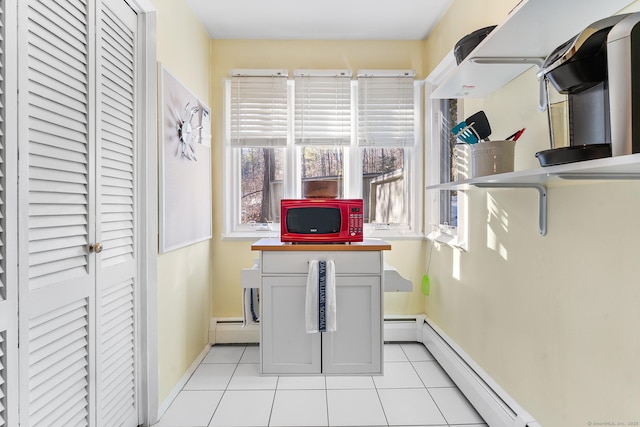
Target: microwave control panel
(356, 221)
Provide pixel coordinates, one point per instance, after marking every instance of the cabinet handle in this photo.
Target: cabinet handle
(96, 248)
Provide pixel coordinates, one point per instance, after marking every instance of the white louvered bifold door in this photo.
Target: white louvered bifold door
(57, 272)
(76, 185)
(8, 224)
(116, 264)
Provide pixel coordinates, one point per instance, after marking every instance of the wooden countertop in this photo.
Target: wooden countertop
(277, 245)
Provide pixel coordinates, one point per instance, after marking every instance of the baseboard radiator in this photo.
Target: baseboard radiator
(494, 405)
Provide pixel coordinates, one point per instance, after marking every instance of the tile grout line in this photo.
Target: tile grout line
(273, 401)
(226, 388)
(326, 397)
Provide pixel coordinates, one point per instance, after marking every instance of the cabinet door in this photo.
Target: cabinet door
(356, 345)
(286, 347)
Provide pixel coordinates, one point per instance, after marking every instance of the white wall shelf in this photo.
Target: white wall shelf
(611, 168)
(620, 167)
(531, 31)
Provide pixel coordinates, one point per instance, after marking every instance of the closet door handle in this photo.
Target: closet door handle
(96, 248)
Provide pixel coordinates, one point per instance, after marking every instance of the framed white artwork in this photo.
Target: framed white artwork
(185, 165)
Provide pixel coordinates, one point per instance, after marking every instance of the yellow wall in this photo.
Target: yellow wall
(230, 256)
(184, 275)
(554, 319)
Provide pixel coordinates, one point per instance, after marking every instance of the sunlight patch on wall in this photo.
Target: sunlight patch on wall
(455, 271)
(497, 224)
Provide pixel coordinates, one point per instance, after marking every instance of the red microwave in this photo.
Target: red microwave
(321, 220)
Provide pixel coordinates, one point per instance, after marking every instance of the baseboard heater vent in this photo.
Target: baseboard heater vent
(230, 330)
(489, 399)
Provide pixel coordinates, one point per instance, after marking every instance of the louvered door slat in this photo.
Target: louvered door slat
(52, 244)
(60, 138)
(73, 253)
(122, 166)
(58, 187)
(74, 161)
(111, 191)
(121, 145)
(38, 234)
(120, 158)
(56, 210)
(119, 233)
(58, 175)
(110, 220)
(116, 173)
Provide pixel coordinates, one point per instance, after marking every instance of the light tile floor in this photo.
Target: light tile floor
(226, 390)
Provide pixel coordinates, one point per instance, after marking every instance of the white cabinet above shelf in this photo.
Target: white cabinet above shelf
(531, 31)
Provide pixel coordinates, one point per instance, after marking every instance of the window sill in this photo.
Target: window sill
(374, 234)
(250, 235)
(449, 239)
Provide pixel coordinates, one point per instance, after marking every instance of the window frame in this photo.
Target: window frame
(352, 173)
(436, 228)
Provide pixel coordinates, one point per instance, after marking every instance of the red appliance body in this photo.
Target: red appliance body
(321, 220)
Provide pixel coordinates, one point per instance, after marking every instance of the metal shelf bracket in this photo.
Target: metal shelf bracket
(538, 62)
(542, 198)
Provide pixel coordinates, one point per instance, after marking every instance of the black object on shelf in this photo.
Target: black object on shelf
(469, 42)
(573, 153)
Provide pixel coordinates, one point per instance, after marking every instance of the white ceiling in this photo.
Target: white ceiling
(319, 19)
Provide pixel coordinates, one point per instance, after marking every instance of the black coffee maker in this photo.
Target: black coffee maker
(599, 72)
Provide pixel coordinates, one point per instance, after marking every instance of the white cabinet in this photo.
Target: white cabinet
(356, 345)
(531, 31)
(285, 346)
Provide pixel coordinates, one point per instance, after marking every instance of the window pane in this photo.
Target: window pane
(323, 163)
(262, 175)
(448, 198)
(383, 186)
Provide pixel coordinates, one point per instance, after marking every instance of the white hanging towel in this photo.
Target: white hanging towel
(250, 306)
(320, 304)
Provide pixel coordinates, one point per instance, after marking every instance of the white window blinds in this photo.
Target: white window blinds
(323, 108)
(386, 110)
(259, 110)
